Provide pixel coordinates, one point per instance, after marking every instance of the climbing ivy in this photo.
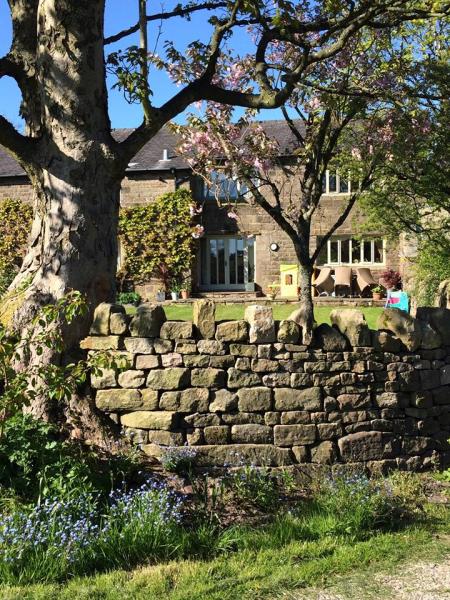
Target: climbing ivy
(157, 239)
(15, 225)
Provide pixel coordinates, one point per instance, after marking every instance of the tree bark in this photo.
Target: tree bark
(306, 309)
(76, 174)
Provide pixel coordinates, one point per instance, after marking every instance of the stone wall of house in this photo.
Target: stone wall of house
(252, 390)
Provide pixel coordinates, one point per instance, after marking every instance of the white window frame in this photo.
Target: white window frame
(361, 262)
(208, 194)
(327, 191)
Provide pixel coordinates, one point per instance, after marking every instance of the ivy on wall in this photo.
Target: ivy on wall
(157, 240)
(15, 226)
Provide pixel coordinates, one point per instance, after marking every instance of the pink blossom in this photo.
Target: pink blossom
(198, 231)
(232, 215)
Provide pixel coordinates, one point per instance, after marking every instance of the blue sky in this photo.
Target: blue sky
(119, 15)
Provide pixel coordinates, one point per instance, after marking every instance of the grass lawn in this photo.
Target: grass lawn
(270, 562)
(183, 312)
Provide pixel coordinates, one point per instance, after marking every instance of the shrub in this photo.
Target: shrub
(258, 485)
(431, 266)
(15, 226)
(128, 298)
(391, 279)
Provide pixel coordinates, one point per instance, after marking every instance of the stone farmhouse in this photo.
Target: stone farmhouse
(235, 256)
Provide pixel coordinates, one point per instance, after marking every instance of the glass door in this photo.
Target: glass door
(227, 263)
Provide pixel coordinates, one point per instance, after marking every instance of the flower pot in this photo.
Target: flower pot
(174, 295)
(160, 296)
(185, 294)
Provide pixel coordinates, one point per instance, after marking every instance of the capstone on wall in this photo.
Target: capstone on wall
(252, 390)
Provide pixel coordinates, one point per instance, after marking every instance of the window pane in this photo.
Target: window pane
(343, 185)
(322, 259)
(378, 251)
(221, 260)
(324, 184)
(232, 259)
(251, 260)
(356, 251)
(222, 187)
(345, 251)
(203, 261)
(332, 183)
(367, 250)
(334, 248)
(240, 260)
(213, 261)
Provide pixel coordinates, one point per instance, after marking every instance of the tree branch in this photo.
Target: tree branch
(17, 145)
(178, 12)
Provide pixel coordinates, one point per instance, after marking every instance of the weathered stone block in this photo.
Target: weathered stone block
(211, 378)
(101, 321)
(290, 399)
(264, 365)
(276, 379)
(131, 379)
(295, 417)
(391, 400)
(232, 331)
(255, 399)
(194, 437)
(301, 453)
(118, 323)
(238, 379)
(251, 434)
(445, 375)
(242, 418)
(235, 454)
(402, 325)
(147, 361)
(136, 436)
(202, 420)
(173, 359)
(186, 401)
(223, 401)
(111, 342)
(211, 347)
(384, 341)
(243, 363)
(298, 380)
(243, 350)
(272, 418)
(162, 346)
(288, 332)
(361, 446)
(204, 318)
(352, 324)
(328, 431)
(120, 400)
(221, 362)
(147, 321)
(439, 319)
(168, 379)
(177, 330)
(325, 453)
(354, 401)
(262, 325)
(165, 438)
(193, 360)
(145, 419)
(329, 339)
(217, 434)
(441, 396)
(264, 350)
(107, 379)
(138, 345)
(187, 347)
(294, 435)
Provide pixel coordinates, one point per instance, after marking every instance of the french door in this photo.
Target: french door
(227, 263)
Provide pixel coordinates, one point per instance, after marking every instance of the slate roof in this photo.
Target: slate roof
(150, 157)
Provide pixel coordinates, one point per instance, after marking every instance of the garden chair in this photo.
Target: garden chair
(365, 280)
(324, 283)
(342, 279)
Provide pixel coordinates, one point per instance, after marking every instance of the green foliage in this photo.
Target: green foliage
(258, 486)
(128, 298)
(15, 225)
(431, 266)
(178, 460)
(157, 239)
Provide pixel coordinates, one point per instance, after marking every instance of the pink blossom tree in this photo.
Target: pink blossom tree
(341, 116)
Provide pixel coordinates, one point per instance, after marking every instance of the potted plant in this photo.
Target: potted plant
(132, 298)
(377, 292)
(160, 295)
(186, 288)
(175, 290)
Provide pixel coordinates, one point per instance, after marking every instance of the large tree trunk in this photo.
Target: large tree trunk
(305, 314)
(76, 176)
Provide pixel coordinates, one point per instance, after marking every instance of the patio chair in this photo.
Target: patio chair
(324, 283)
(342, 279)
(365, 280)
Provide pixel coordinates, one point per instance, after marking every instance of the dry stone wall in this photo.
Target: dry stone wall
(250, 390)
